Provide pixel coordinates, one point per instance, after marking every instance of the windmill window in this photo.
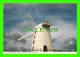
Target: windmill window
(32, 48)
(35, 32)
(34, 36)
(33, 42)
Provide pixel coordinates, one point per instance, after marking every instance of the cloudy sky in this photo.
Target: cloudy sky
(19, 16)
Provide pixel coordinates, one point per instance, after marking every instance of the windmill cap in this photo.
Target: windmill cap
(46, 24)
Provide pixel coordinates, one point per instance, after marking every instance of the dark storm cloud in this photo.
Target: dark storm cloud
(15, 12)
(66, 44)
(11, 42)
(70, 44)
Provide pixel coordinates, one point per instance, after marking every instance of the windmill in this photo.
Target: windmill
(42, 38)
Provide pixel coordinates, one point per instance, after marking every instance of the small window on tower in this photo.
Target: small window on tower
(33, 42)
(34, 36)
(35, 32)
(32, 48)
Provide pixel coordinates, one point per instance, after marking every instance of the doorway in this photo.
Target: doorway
(45, 48)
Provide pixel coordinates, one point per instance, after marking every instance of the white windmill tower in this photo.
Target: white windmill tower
(42, 38)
